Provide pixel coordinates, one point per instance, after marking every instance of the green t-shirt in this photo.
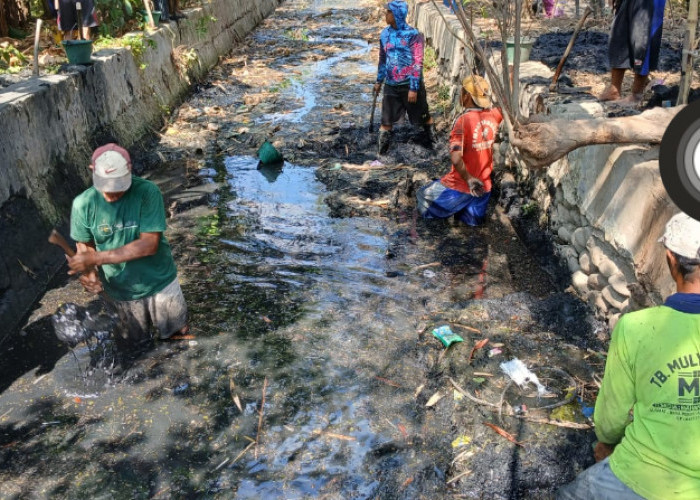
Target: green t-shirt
(653, 367)
(113, 225)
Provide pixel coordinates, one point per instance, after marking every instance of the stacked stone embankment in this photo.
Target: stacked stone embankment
(50, 125)
(604, 206)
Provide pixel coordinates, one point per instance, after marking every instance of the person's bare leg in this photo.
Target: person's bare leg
(612, 92)
(86, 33)
(638, 86)
(68, 35)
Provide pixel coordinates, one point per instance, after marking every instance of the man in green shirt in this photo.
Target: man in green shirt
(647, 414)
(118, 225)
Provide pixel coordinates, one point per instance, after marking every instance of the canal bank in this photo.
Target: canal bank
(601, 209)
(51, 124)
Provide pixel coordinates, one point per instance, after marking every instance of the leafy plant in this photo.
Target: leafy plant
(137, 44)
(203, 23)
(184, 58)
(529, 209)
(297, 34)
(11, 59)
(429, 58)
(115, 15)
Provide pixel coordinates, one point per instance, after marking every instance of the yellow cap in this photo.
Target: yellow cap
(479, 89)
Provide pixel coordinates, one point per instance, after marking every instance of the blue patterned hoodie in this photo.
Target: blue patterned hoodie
(400, 51)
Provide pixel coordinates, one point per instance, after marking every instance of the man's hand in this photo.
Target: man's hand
(412, 96)
(602, 451)
(91, 281)
(377, 87)
(476, 186)
(82, 262)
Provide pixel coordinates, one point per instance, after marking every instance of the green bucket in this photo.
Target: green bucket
(525, 49)
(154, 13)
(268, 155)
(78, 51)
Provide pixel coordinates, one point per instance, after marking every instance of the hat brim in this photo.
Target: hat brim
(116, 185)
(482, 101)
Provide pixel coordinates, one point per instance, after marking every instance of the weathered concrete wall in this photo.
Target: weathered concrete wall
(605, 206)
(50, 125)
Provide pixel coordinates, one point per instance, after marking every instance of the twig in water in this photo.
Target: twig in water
(260, 418)
(243, 452)
(220, 465)
(459, 476)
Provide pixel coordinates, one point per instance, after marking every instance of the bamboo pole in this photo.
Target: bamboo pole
(515, 93)
(147, 5)
(37, 34)
(688, 54)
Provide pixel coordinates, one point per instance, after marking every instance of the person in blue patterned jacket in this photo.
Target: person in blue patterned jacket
(401, 70)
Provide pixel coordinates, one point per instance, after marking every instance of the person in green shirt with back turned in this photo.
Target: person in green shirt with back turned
(118, 225)
(647, 415)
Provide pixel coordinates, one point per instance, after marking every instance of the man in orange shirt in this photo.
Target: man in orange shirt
(466, 189)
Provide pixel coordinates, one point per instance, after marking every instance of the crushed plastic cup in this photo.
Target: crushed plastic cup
(521, 375)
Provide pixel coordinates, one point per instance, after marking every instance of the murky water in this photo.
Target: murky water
(313, 361)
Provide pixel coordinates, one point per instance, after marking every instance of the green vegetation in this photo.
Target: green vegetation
(137, 44)
(444, 101)
(114, 15)
(11, 59)
(203, 23)
(297, 34)
(429, 58)
(284, 84)
(530, 209)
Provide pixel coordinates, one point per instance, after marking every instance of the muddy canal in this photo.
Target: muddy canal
(314, 289)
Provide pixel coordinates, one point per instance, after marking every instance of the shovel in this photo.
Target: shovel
(374, 106)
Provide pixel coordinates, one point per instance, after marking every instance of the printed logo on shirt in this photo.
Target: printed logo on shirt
(687, 406)
(109, 229)
(484, 135)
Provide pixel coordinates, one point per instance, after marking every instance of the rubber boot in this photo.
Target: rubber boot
(384, 141)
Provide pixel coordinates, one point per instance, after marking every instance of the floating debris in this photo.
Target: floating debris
(445, 335)
(520, 374)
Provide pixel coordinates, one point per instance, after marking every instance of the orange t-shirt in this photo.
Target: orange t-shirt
(473, 134)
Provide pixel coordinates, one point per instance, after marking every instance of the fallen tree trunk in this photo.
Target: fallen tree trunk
(541, 144)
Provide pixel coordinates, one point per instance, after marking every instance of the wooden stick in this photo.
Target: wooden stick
(470, 397)
(556, 423)
(147, 5)
(37, 34)
(688, 54)
(57, 239)
(242, 453)
(553, 85)
(260, 418)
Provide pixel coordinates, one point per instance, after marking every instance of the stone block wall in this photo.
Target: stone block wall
(604, 206)
(51, 124)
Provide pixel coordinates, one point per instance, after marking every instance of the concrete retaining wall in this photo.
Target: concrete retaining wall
(50, 125)
(605, 206)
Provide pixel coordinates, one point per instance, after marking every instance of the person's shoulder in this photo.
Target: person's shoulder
(141, 184)
(644, 318)
(86, 197)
